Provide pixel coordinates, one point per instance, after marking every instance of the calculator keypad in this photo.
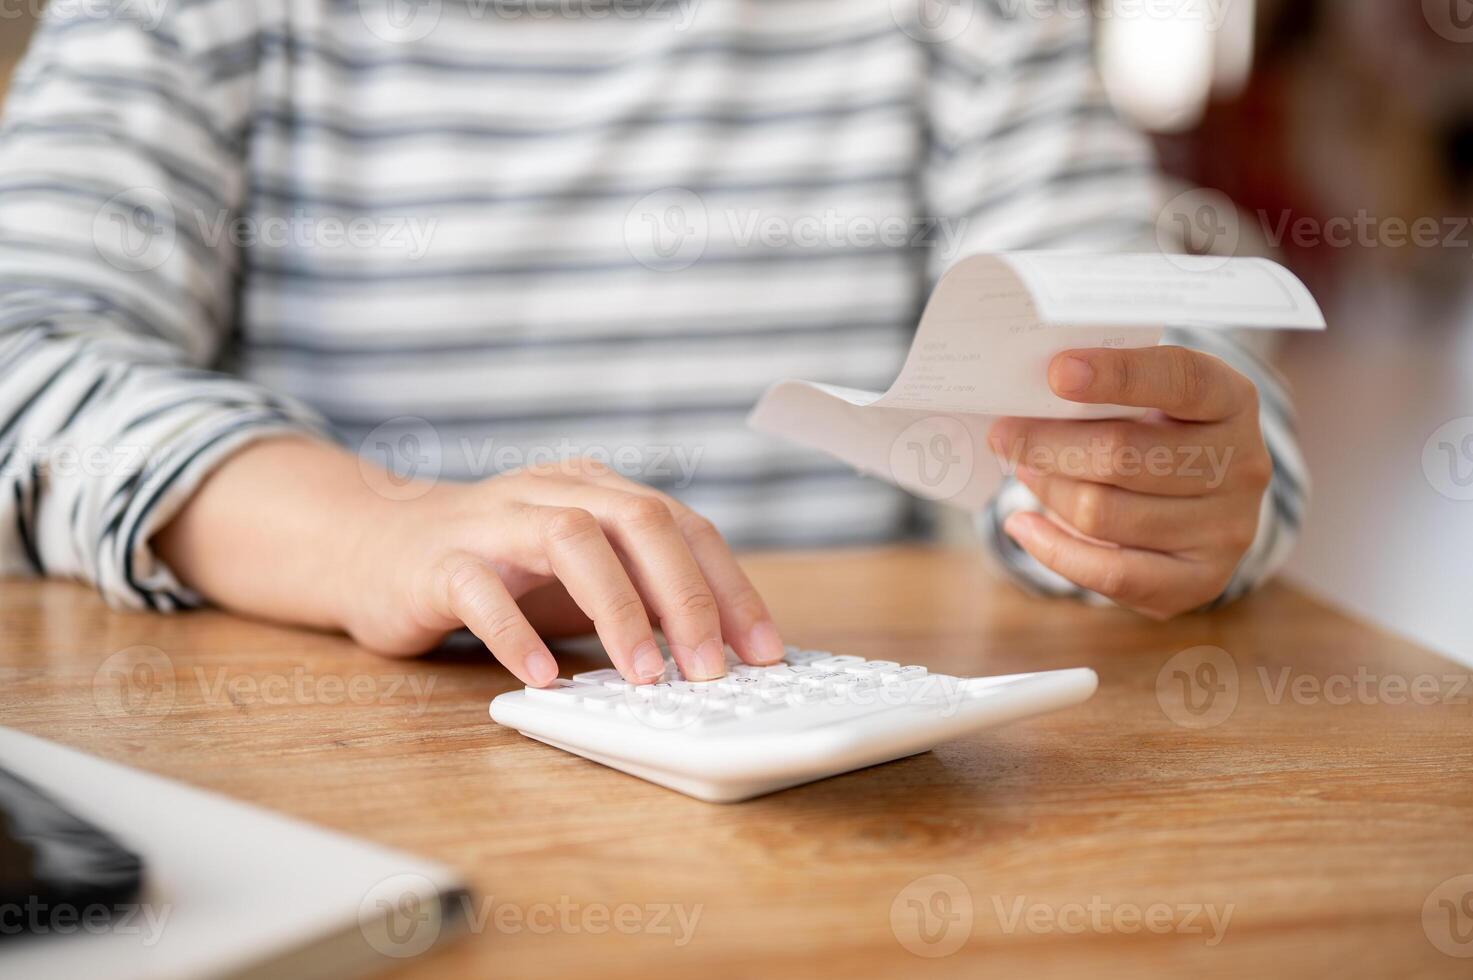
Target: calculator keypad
(803, 680)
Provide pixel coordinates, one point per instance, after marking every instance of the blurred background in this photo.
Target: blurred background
(1335, 136)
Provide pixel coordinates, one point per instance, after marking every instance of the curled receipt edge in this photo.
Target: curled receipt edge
(983, 346)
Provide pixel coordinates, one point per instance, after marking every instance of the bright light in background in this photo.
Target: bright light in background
(1160, 68)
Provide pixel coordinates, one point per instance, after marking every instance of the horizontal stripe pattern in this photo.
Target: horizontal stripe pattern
(511, 238)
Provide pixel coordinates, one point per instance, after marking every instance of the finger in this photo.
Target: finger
(665, 573)
(472, 593)
(584, 561)
(553, 613)
(1185, 384)
(1167, 458)
(1158, 585)
(1123, 517)
(746, 623)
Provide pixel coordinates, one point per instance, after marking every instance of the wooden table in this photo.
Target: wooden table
(1305, 833)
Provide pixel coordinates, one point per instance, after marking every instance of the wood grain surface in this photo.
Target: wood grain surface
(1298, 802)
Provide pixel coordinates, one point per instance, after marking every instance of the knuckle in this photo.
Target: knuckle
(1123, 375)
(694, 599)
(640, 511)
(1092, 510)
(568, 524)
(503, 625)
(625, 606)
(1238, 536)
(1257, 470)
(540, 470)
(1113, 439)
(1115, 583)
(1188, 377)
(746, 603)
(461, 575)
(698, 528)
(587, 467)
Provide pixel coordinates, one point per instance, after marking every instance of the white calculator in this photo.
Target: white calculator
(761, 729)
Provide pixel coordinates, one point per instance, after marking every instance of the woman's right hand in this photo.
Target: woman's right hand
(629, 557)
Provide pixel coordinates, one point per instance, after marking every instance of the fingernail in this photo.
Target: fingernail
(1016, 527)
(1073, 374)
(707, 662)
(540, 667)
(648, 663)
(765, 644)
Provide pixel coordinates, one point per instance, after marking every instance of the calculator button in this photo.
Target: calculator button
(836, 662)
(806, 656)
(908, 673)
(871, 667)
(603, 676)
(599, 699)
(558, 692)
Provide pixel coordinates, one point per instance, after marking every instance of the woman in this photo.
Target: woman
(474, 240)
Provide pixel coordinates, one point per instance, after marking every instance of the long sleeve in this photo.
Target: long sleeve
(1029, 154)
(120, 176)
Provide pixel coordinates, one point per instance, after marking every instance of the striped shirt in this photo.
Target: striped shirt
(464, 235)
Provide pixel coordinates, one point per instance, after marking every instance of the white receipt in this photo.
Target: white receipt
(983, 347)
